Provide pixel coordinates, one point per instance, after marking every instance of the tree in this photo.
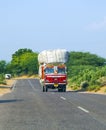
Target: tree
(24, 61)
(20, 52)
(29, 63)
(85, 58)
(2, 66)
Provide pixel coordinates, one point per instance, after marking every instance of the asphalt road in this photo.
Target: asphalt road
(28, 108)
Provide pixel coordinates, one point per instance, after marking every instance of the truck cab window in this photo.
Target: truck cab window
(49, 70)
(61, 70)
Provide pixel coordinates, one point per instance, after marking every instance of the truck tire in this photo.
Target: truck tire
(60, 89)
(43, 89)
(64, 89)
(46, 89)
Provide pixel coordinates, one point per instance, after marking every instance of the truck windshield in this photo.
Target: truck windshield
(61, 70)
(49, 70)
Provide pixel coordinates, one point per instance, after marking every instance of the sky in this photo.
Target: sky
(74, 25)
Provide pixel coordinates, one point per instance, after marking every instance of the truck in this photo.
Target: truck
(53, 70)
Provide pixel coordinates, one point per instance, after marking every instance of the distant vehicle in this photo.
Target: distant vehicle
(52, 69)
(7, 76)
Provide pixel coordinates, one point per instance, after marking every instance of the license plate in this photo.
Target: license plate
(55, 85)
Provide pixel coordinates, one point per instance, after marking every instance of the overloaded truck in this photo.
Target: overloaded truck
(52, 69)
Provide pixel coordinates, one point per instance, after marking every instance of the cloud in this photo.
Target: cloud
(97, 25)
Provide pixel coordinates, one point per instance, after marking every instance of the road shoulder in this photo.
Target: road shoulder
(6, 88)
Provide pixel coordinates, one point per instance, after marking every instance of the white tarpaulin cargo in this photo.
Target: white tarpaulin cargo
(53, 56)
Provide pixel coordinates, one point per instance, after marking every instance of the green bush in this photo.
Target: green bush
(2, 79)
(84, 85)
(3, 82)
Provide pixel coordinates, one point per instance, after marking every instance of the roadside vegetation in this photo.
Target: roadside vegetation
(86, 71)
(24, 62)
(2, 71)
(2, 79)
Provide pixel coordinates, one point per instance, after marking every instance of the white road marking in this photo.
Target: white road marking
(31, 85)
(81, 108)
(63, 98)
(14, 84)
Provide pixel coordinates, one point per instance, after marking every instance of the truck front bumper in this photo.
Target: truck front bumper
(55, 85)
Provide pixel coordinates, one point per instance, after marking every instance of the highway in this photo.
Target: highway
(28, 108)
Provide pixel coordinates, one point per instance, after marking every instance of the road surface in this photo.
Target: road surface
(28, 108)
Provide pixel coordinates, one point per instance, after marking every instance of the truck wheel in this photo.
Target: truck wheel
(43, 89)
(64, 89)
(60, 89)
(46, 89)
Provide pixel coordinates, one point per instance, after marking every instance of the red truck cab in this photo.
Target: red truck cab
(55, 77)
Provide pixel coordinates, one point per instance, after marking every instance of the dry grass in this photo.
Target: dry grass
(101, 91)
(6, 88)
(4, 91)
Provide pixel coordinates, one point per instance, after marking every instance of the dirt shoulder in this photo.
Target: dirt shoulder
(101, 91)
(9, 82)
(6, 88)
